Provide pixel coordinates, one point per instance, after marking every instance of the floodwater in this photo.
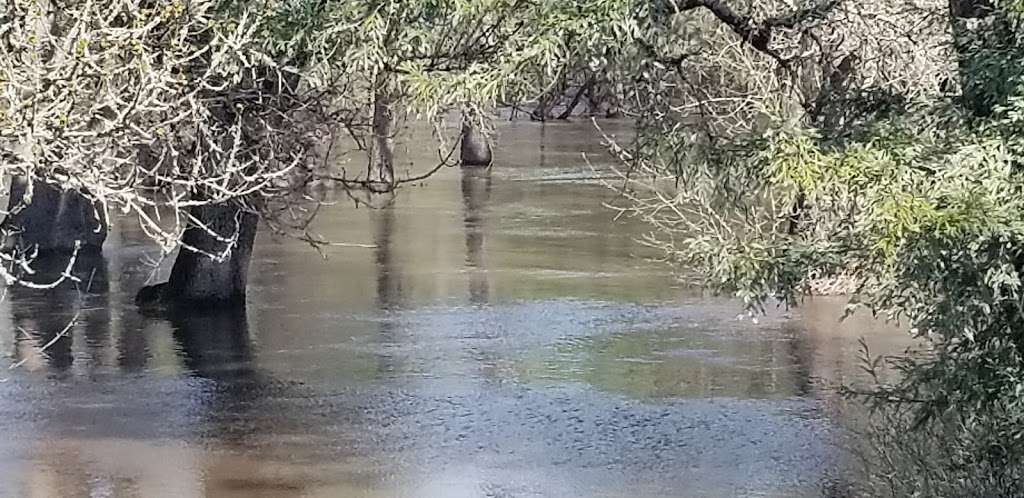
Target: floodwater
(500, 335)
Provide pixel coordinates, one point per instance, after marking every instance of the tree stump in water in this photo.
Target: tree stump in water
(475, 150)
(212, 266)
(45, 218)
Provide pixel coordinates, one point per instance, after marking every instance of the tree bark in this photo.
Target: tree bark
(604, 97)
(542, 110)
(475, 150)
(617, 98)
(382, 155)
(758, 32)
(970, 9)
(973, 84)
(547, 101)
(47, 219)
(584, 89)
(198, 277)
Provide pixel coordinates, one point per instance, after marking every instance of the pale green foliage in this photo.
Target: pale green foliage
(921, 202)
(434, 56)
(107, 96)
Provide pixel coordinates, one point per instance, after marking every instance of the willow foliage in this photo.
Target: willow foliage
(916, 195)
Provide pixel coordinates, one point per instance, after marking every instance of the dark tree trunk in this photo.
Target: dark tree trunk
(547, 102)
(970, 9)
(614, 99)
(602, 97)
(584, 89)
(976, 85)
(198, 278)
(382, 152)
(53, 220)
(543, 109)
(796, 213)
(475, 149)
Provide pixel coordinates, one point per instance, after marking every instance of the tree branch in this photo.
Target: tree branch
(758, 33)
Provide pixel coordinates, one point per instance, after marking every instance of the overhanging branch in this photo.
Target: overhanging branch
(757, 33)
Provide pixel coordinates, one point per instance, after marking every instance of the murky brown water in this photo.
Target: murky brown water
(502, 339)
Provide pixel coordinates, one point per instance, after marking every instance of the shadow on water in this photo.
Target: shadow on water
(244, 408)
(214, 344)
(235, 403)
(802, 357)
(476, 192)
(389, 288)
(46, 321)
(237, 429)
(215, 347)
(389, 274)
(133, 346)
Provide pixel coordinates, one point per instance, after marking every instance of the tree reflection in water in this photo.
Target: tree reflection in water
(46, 320)
(476, 192)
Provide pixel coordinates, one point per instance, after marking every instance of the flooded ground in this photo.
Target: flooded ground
(503, 337)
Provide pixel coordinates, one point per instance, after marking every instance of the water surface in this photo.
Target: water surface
(503, 337)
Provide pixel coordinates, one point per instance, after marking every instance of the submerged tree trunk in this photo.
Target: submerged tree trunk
(213, 264)
(609, 97)
(584, 89)
(475, 149)
(548, 100)
(47, 219)
(382, 151)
